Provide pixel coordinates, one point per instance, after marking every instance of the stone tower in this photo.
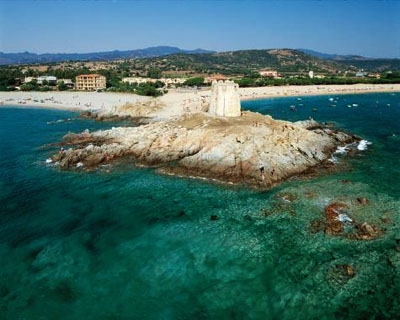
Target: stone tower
(225, 100)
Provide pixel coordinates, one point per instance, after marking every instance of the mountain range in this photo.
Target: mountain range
(337, 57)
(30, 58)
(273, 58)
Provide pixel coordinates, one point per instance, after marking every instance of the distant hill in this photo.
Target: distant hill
(328, 56)
(360, 62)
(201, 61)
(31, 58)
(246, 62)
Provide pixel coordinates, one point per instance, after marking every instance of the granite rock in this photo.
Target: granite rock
(253, 149)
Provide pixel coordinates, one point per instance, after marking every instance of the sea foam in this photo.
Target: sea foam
(363, 145)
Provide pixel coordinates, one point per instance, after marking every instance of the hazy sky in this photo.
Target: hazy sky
(365, 27)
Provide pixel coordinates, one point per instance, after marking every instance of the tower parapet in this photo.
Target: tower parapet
(225, 100)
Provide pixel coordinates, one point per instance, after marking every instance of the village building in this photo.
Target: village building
(42, 79)
(166, 81)
(215, 77)
(90, 82)
(49, 79)
(132, 80)
(29, 79)
(269, 73)
(67, 82)
(374, 75)
(361, 74)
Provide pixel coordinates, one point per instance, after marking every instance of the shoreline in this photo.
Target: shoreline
(230, 149)
(176, 102)
(257, 93)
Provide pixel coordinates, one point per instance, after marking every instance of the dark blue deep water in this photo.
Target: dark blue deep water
(125, 243)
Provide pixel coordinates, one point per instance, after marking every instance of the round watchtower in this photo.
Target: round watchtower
(225, 100)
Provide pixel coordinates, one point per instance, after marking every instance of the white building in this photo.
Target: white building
(29, 79)
(269, 73)
(39, 80)
(49, 79)
(167, 81)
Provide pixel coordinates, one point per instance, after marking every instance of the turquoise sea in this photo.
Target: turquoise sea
(126, 243)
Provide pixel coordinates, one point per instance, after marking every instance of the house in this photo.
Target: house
(167, 81)
(374, 75)
(29, 79)
(361, 74)
(215, 77)
(67, 82)
(51, 80)
(90, 82)
(137, 80)
(269, 73)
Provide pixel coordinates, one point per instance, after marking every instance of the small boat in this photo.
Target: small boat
(355, 105)
(314, 109)
(293, 108)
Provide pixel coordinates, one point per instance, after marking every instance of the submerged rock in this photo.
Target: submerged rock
(252, 149)
(340, 274)
(362, 200)
(337, 218)
(333, 212)
(367, 231)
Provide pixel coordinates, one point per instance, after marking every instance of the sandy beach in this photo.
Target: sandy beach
(175, 102)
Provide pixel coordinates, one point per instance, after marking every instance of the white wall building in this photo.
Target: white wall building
(49, 79)
(167, 81)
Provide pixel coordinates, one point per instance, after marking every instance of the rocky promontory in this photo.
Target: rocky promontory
(253, 149)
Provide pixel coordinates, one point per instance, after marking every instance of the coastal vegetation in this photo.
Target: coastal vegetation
(194, 82)
(292, 67)
(143, 89)
(260, 81)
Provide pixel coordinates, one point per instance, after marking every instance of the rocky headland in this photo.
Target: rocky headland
(252, 149)
(223, 144)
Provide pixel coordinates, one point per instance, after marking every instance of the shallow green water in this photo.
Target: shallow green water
(126, 243)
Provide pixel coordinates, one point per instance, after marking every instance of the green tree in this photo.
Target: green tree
(194, 82)
(245, 82)
(62, 86)
(148, 89)
(154, 73)
(29, 87)
(9, 77)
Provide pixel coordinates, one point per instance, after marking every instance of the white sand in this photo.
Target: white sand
(175, 102)
(69, 100)
(281, 91)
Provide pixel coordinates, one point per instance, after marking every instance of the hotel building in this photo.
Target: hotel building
(90, 82)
